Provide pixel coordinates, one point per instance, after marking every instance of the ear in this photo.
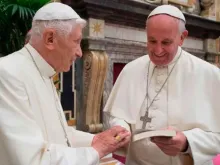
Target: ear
(182, 37)
(49, 38)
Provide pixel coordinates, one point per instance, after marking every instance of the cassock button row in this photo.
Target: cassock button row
(159, 73)
(159, 81)
(161, 78)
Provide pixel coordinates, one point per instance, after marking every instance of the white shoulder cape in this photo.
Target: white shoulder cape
(194, 91)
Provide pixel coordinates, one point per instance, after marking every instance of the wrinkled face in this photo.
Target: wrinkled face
(163, 38)
(64, 50)
(69, 49)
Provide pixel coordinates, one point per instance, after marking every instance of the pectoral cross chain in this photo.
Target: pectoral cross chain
(145, 118)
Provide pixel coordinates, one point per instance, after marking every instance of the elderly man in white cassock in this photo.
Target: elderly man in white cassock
(33, 129)
(168, 89)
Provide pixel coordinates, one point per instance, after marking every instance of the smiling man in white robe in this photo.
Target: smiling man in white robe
(168, 89)
(33, 129)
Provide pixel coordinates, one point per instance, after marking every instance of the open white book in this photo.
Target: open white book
(138, 135)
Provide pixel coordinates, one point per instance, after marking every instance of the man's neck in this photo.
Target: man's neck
(44, 54)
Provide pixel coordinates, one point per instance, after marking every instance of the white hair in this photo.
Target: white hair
(62, 27)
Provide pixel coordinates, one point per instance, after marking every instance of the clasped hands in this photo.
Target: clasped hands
(110, 140)
(172, 146)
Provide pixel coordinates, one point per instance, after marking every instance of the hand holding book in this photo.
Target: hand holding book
(172, 146)
(171, 141)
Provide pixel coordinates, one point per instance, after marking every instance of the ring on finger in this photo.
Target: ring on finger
(118, 138)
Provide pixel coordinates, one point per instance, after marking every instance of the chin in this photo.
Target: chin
(161, 63)
(67, 69)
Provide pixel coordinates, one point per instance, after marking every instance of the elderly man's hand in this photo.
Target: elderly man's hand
(172, 146)
(110, 140)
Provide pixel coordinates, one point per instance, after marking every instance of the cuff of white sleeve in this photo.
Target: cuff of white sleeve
(81, 139)
(120, 122)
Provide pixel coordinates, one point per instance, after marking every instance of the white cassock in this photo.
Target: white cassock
(189, 102)
(31, 116)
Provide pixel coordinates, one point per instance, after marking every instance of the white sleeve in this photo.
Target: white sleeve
(110, 121)
(62, 155)
(204, 146)
(22, 141)
(80, 138)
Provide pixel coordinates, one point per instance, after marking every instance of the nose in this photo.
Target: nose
(158, 49)
(79, 52)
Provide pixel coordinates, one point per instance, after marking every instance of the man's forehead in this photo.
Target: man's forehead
(162, 30)
(161, 38)
(162, 23)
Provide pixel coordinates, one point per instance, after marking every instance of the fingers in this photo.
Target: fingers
(172, 128)
(164, 146)
(118, 138)
(170, 150)
(125, 139)
(124, 142)
(163, 140)
(110, 140)
(171, 146)
(122, 135)
(116, 130)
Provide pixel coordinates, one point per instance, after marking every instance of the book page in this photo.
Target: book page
(148, 134)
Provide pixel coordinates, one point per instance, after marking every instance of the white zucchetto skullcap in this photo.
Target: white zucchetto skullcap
(168, 10)
(57, 11)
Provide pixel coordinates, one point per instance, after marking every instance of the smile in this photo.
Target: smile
(160, 56)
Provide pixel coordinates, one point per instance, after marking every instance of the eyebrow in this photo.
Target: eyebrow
(151, 38)
(167, 40)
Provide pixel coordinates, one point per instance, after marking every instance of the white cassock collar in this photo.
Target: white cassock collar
(178, 53)
(45, 69)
